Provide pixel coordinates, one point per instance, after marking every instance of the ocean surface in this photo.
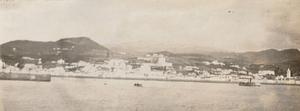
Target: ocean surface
(71, 94)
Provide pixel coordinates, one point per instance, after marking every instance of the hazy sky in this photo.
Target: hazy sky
(152, 25)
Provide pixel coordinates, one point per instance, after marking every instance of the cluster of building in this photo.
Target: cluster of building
(149, 66)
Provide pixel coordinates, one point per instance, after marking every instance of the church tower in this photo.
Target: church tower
(288, 73)
(1, 64)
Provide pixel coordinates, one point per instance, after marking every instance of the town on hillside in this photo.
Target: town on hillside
(149, 66)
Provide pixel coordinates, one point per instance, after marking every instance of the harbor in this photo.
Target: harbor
(72, 94)
(149, 55)
(47, 78)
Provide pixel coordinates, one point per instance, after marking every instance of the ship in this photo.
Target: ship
(249, 83)
(138, 85)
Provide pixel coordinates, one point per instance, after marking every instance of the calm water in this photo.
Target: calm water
(64, 94)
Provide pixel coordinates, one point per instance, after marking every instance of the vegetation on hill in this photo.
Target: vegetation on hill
(69, 49)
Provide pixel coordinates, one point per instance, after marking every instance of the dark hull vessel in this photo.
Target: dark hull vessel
(248, 84)
(138, 85)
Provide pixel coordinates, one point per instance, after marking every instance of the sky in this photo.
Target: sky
(156, 25)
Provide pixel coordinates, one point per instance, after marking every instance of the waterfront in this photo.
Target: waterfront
(77, 94)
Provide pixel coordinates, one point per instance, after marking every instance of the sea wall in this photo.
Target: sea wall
(25, 77)
(270, 82)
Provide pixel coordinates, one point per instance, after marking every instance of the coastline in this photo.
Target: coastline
(169, 80)
(25, 77)
(47, 78)
(143, 79)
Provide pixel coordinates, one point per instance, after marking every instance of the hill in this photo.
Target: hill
(271, 59)
(69, 49)
(272, 56)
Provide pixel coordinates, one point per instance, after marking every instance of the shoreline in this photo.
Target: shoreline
(142, 79)
(167, 80)
(25, 77)
(47, 78)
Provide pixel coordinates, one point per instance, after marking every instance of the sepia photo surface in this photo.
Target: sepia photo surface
(149, 55)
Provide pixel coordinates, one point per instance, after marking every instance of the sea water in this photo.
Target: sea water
(70, 94)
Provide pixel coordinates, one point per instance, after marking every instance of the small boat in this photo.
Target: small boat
(249, 83)
(138, 85)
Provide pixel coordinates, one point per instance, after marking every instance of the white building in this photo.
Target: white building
(288, 73)
(1, 64)
(40, 61)
(61, 61)
(161, 61)
(145, 58)
(146, 68)
(205, 73)
(83, 63)
(116, 64)
(215, 62)
(57, 70)
(266, 72)
(242, 72)
(190, 68)
(206, 63)
(28, 58)
(30, 67)
(235, 66)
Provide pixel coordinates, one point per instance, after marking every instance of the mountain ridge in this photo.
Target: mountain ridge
(83, 48)
(69, 49)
